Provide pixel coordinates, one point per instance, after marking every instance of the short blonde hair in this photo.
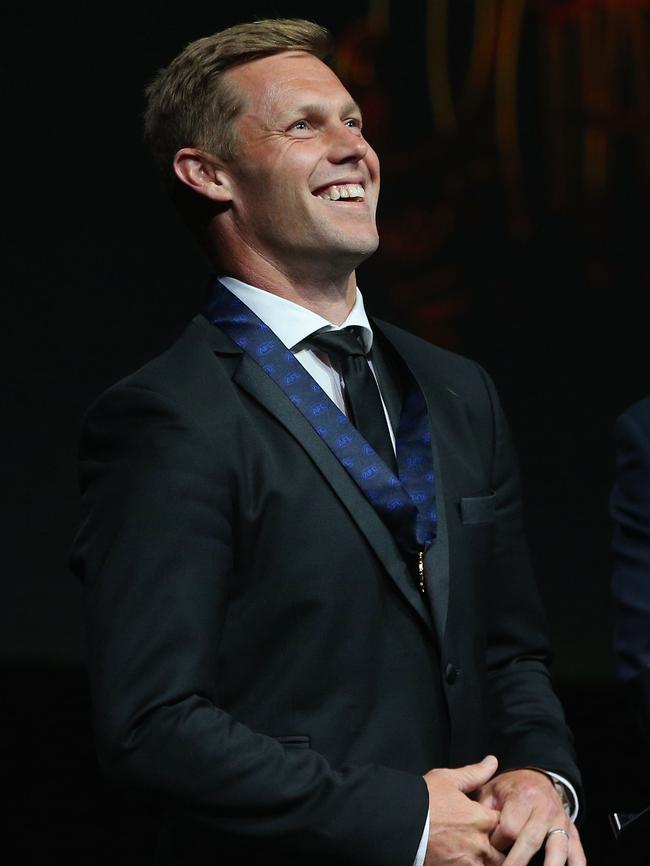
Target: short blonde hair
(191, 104)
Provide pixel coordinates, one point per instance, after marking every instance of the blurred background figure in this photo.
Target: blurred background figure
(630, 509)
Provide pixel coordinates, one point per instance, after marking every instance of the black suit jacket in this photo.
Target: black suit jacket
(260, 655)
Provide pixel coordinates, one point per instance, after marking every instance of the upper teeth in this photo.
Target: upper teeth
(344, 190)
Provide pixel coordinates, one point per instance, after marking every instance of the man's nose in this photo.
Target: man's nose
(347, 145)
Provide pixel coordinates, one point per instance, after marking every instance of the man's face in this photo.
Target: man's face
(305, 182)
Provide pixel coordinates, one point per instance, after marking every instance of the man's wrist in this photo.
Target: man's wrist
(565, 790)
(563, 795)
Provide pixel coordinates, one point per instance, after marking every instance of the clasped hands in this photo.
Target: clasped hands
(477, 818)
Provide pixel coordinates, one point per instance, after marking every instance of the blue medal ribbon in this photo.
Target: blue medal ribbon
(407, 505)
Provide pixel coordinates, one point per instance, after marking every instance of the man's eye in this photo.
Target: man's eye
(300, 125)
(353, 122)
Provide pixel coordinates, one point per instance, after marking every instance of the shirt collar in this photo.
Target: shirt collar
(289, 321)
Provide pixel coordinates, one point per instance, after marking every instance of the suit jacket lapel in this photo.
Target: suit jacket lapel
(251, 378)
(436, 561)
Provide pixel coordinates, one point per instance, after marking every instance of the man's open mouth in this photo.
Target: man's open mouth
(342, 192)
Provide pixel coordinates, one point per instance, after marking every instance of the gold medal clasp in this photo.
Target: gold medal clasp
(421, 585)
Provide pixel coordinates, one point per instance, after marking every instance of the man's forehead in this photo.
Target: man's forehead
(295, 77)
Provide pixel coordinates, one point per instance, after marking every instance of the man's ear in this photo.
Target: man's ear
(202, 173)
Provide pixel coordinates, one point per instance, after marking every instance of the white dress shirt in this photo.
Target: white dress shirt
(292, 324)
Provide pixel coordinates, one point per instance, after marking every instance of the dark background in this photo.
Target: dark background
(524, 250)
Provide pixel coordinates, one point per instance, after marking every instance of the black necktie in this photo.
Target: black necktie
(362, 398)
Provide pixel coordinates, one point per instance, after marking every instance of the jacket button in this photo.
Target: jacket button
(451, 674)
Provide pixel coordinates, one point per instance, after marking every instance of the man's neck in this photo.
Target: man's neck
(331, 296)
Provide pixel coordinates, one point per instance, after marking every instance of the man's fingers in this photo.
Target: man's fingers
(556, 845)
(527, 844)
(472, 776)
(532, 819)
(511, 820)
(493, 857)
(557, 848)
(576, 854)
(488, 823)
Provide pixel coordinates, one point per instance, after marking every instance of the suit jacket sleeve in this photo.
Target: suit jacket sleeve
(526, 719)
(155, 554)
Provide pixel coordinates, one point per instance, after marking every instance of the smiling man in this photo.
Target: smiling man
(314, 633)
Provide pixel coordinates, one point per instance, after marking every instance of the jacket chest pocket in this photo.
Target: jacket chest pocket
(477, 510)
(294, 741)
(475, 517)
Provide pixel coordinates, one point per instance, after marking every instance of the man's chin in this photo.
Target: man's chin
(357, 244)
(367, 249)
(336, 253)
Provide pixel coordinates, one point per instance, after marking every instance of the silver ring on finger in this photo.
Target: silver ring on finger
(554, 830)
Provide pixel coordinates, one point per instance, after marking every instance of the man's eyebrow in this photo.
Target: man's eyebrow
(350, 107)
